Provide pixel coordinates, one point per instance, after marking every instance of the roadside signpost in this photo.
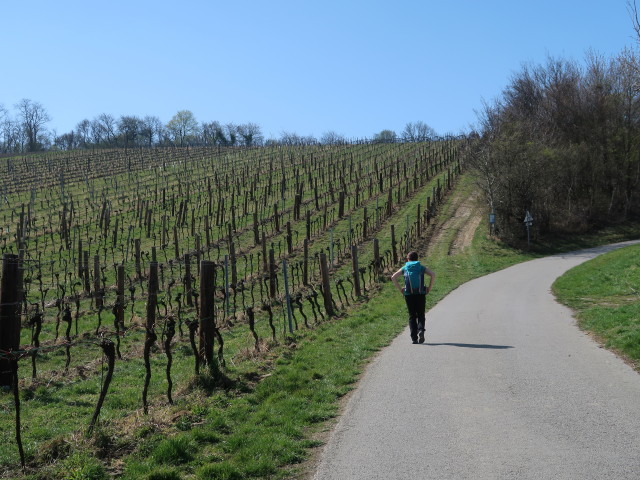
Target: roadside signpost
(528, 221)
(492, 222)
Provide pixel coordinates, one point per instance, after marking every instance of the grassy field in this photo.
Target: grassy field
(605, 294)
(265, 420)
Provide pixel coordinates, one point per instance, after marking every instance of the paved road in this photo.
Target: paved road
(505, 387)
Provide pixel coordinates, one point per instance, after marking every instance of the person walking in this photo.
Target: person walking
(415, 293)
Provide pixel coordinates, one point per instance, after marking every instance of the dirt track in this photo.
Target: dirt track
(462, 224)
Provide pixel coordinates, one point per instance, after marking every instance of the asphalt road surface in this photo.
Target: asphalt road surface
(505, 387)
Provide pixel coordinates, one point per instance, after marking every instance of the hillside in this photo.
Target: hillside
(100, 249)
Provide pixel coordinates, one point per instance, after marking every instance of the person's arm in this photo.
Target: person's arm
(394, 279)
(432, 278)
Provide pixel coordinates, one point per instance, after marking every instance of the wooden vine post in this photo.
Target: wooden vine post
(272, 274)
(119, 308)
(9, 315)
(326, 285)
(10, 298)
(394, 250)
(108, 350)
(85, 272)
(136, 243)
(256, 233)
(96, 282)
(305, 265)
(356, 270)
(150, 334)
(207, 316)
(376, 258)
(187, 279)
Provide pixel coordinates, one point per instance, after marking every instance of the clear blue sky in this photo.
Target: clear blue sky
(354, 67)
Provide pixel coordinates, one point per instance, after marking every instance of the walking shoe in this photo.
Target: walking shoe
(421, 337)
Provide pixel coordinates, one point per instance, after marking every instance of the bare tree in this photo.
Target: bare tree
(129, 129)
(66, 141)
(632, 8)
(83, 131)
(11, 133)
(107, 126)
(34, 118)
(418, 132)
(183, 127)
(4, 118)
(332, 138)
(151, 129)
(385, 136)
(97, 132)
(232, 133)
(214, 133)
(250, 134)
(292, 138)
(208, 132)
(562, 143)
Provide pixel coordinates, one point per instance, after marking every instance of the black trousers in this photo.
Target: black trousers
(416, 306)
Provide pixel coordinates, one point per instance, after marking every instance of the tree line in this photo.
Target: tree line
(26, 131)
(563, 142)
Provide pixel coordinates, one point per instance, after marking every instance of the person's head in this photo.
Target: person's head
(412, 256)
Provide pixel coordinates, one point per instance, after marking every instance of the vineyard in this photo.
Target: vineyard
(181, 262)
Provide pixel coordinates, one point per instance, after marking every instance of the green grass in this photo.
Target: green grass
(265, 422)
(605, 293)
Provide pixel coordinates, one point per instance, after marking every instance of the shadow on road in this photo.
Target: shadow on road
(469, 345)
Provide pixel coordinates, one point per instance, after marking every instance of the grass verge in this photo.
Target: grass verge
(605, 294)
